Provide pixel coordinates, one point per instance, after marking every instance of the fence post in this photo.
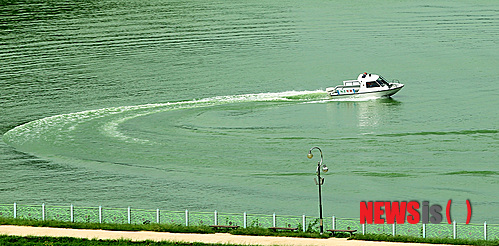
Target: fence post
(129, 215)
(157, 215)
(334, 223)
(273, 220)
(100, 215)
(364, 229)
(454, 229)
(244, 220)
(186, 217)
(216, 217)
(485, 230)
(304, 224)
(424, 230)
(43, 211)
(71, 211)
(393, 229)
(15, 210)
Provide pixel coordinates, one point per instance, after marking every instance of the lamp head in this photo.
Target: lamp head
(325, 169)
(309, 155)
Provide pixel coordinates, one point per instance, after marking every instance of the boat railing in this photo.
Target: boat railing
(351, 83)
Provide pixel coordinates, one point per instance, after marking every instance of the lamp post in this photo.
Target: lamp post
(319, 182)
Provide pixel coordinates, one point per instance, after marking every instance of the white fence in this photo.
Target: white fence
(130, 215)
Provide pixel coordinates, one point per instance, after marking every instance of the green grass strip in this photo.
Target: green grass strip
(105, 226)
(412, 239)
(60, 241)
(255, 231)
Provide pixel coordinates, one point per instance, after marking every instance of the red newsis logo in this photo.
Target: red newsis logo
(398, 212)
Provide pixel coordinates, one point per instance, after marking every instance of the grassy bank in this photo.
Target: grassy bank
(255, 231)
(112, 227)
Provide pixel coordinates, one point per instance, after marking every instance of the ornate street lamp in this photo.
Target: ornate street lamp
(319, 181)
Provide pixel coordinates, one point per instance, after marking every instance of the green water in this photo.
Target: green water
(213, 105)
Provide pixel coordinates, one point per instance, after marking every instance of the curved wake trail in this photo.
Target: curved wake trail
(57, 129)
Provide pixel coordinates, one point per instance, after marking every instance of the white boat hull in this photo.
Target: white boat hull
(368, 94)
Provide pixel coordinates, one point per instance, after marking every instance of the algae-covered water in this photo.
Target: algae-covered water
(213, 105)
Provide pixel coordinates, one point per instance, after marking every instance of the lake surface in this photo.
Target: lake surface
(213, 105)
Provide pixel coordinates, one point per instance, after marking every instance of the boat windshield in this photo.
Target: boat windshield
(372, 84)
(381, 81)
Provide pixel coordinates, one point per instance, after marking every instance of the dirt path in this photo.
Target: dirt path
(166, 236)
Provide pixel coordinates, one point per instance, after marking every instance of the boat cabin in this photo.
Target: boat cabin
(371, 80)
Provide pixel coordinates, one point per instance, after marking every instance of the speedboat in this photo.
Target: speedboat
(366, 86)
